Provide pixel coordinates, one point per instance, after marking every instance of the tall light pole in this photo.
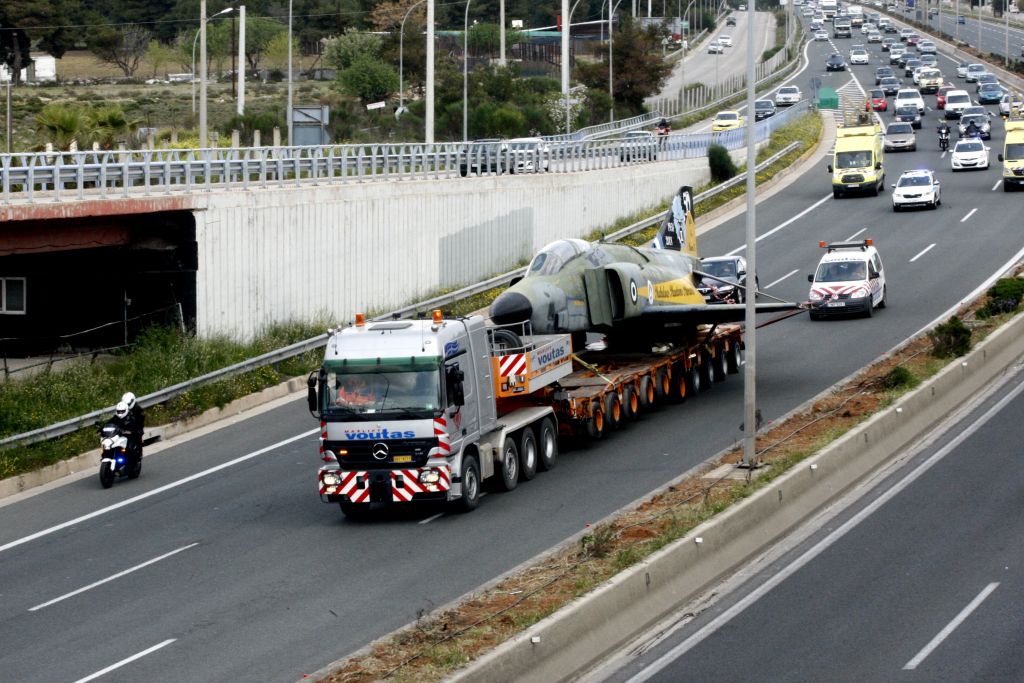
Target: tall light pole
(566, 37)
(750, 322)
(611, 42)
(501, 34)
(241, 60)
(401, 61)
(465, 75)
(288, 110)
(194, 42)
(1006, 44)
(956, 23)
(979, 28)
(428, 127)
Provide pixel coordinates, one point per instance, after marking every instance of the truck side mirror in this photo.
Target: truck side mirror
(878, 165)
(830, 168)
(311, 397)
(810, 278)
(458, 394)
(1000, 156)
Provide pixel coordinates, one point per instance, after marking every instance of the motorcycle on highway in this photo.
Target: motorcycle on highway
(944, 138)
(116, 460)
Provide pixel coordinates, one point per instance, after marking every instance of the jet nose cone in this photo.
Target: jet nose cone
(511, 307)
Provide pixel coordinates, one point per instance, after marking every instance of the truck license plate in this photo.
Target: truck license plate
(402, 458)
(836, 304)
(854, 186)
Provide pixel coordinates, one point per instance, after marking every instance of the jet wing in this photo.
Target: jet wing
(700, 314)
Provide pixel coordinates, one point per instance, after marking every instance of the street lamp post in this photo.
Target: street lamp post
(428, 117)
(566, 38)
(401, 61)
(290, 91)
(465, 75)
(750, 318)
(1006, 44)
(194, 42)
(611, 42)
(956, 23)
(202, 70)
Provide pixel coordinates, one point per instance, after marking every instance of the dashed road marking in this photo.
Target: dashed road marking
(969, 214)
(923, 252)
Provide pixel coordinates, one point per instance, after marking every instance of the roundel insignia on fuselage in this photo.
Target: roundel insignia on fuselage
(632, 289)
(650, 292)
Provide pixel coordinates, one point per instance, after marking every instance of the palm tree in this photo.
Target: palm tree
(109, 125)
(61, 124)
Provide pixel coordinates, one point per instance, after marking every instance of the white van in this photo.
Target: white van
(849, 279)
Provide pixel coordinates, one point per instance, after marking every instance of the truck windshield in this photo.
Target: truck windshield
(1014, 151)
(377, 389)
(859, 159)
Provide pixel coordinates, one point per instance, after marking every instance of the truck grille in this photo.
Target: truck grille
(1018, 171)
(361, 453)
(853, 178)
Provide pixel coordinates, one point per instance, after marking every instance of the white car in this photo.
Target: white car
(859, 56)
(874, 37)
(787, 95)
(906, 96)
(961, 69)
(916, 188)
(715, 48)
(956, 102)
(969, 154)
(973, 71)
(820, 35)
(725, 40)
(808, 12)
(849, 279)
(926, 47)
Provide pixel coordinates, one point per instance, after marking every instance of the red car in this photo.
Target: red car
(940, 96)
(876, 101)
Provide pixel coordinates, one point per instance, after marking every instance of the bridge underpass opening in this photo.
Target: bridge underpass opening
(97, 282)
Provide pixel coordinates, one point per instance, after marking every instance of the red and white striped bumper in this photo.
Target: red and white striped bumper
(405, 484)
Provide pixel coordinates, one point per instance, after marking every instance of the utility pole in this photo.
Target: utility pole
(750, 322)
(9, 126)
(428, 133)
(566, 19)
(241, 60)
(288, 111)
(501, 32)
(202, 73)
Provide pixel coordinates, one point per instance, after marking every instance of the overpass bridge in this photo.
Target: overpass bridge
(231, 241)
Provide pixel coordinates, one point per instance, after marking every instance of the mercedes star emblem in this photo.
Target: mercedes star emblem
(380, 451)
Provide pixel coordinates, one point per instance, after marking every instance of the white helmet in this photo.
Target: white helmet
(129, 400)
(121, 409)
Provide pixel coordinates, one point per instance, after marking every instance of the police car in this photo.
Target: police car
(849, 279)
(916, 188)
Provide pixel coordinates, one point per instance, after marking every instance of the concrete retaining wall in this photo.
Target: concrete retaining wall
(276, 254)
(582, 633)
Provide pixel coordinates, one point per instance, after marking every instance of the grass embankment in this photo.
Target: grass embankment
(162, 357)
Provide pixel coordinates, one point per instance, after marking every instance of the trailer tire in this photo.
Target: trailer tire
(733, 357)
(647, 393)
(680, 385)
(693, 380)
(470, 485)
(508, 467)
(630, 403)
(704, 372)
(506, 339)
(596, 425)
(528, 454)
(613, 410)
(720, 364)
(548, 445)
(662, 384)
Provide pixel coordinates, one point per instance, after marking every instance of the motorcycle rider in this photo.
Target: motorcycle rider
(972, 130)
(136, 424)
(943, 131)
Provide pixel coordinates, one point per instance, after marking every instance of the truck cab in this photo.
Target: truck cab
(858, 164)
(1012, 156)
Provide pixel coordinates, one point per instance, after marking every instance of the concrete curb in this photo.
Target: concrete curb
(90, 460)
(580, 634)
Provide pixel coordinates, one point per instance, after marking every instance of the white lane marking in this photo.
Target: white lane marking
(943, 155)
(822, 545)
(780, 226)
(430, 519)
(156, 491)
(923, 252)
(854, 235)
(129, 660)
(111, 578)
(996, 186)
(969, 214)
(950, 627)
(789, 274)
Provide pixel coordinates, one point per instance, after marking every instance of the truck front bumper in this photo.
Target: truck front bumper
(384, 486)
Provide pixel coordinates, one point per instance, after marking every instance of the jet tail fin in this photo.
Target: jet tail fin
(679, 230)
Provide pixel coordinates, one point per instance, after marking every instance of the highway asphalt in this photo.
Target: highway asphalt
(919, 579)
(227, 566)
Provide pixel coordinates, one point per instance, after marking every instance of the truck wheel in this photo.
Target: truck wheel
(646, 392)
(596, 425)
(662, 384)
(527, 455)
(871, 308)
(613, 410)
(885, 296)
(470, 485)
(704, 371)
(509, 465)
(548, 446)
(680, 387)
(720, 364)
(733, 357)
(693, 381)
(507, 340)
(630, 403)
(836, 194)
(355, 511)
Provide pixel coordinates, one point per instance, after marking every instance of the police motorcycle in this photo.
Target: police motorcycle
(115, 459)
(944, 138)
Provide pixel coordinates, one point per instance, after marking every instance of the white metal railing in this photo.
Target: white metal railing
(118, 174)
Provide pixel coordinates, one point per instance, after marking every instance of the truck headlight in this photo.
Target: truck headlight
(429, 477)
(859, 293)
(815, 296)
(330, 478)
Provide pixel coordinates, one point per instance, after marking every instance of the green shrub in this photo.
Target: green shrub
(950, 339)
(1004, 297)
(722, 166)
(899, 378)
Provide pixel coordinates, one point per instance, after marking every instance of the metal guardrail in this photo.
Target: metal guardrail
(121, 174)
(297, 349)
(605, 129)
